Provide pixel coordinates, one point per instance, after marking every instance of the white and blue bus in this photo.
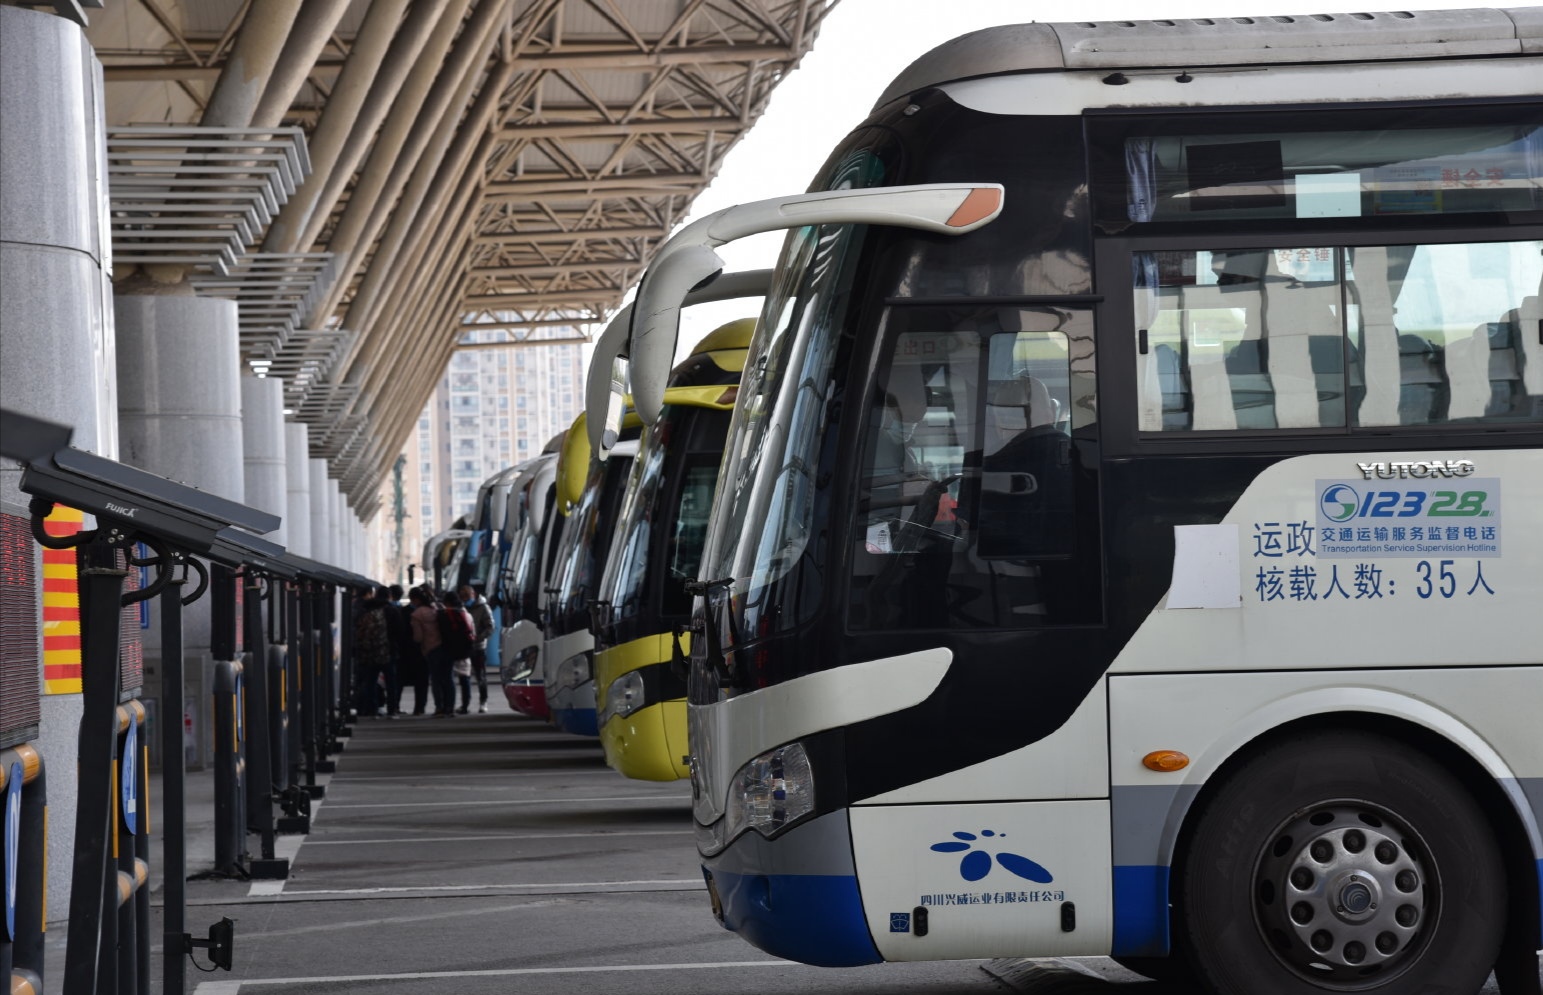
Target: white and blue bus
(530, 546)
(1136, 548)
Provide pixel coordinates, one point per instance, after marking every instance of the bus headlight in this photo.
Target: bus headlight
(573, 671)
(623, 697)
(770, 792)
(521, 665)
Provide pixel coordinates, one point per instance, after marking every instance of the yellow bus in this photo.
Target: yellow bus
(643, 599)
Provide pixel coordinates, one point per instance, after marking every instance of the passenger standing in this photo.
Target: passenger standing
(373, 652)
(396, 631)
(425, 626)
(410, 665)
(457, 644)
(482, 628)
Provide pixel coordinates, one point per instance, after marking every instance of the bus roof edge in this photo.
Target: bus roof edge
(1221, 41)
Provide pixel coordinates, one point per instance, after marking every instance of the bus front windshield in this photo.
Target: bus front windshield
(626, 568)
(763, 525)
(663, 521)
(585, 543)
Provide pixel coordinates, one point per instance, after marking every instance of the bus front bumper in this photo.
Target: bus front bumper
(796, 896)
(527, 698)
(649, 744)
(573, 709)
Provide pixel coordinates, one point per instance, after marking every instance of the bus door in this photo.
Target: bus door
(978, 525)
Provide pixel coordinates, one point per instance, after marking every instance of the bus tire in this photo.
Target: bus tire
(1341, 861)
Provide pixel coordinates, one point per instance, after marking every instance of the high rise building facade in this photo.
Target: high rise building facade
(494, 407)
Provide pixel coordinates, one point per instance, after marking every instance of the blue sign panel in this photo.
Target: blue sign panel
(12, 844)
(127, 781)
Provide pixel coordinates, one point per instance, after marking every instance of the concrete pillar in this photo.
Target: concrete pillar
(321, 513)
(362, 551)
(179, 415)
(337, 514)
(57, 348)
(297, 482)
(265, 469)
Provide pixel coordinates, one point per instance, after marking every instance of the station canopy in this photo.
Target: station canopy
(375, 180)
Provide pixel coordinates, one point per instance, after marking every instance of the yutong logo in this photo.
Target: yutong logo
(1414, 468)
(118, 509)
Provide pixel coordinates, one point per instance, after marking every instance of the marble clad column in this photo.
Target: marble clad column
(179, 415)
(57, 346)
(362, 551)
(338, 514)
(321, 513)
(297, 483)
(265, 469)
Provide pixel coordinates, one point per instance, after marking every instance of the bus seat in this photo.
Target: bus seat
(1505, 365)
(1253, 391)
(1422, 381)
(1171, 380)
(1015, 406)
(1326, 355)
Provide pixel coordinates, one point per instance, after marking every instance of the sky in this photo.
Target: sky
(862, 46)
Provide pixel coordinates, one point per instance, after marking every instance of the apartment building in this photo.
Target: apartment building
(493, 408)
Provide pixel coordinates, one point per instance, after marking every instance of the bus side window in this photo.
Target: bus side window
(974, 507)
(1443, 332)
(1240, 340)
(1026, 485)
(1345, 338)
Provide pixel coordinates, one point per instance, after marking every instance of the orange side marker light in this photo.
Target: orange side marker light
(1165, 761)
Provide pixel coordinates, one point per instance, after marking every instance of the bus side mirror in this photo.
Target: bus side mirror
(687, 261)
(656, 320)
(605, 387)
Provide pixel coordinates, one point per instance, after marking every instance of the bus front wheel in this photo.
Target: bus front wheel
(1341, 862)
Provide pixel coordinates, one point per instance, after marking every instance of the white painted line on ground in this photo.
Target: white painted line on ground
(438, 785)
(287, 847)
(671, 884)
(438, 775)
(234, 987)
(514, 751)
(507, 836)
(247, 937)
(518, 801)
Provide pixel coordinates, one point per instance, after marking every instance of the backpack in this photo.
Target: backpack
(371, 640)
(455, 633)
(482, 620)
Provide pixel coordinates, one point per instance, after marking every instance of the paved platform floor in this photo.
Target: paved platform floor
(492, 854)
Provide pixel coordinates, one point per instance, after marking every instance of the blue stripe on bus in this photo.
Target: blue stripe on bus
(1141, 911)
(578, 721)
(811, 918)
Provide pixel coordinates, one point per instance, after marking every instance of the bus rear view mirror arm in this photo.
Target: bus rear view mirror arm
(605, 387)
(687, 261)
